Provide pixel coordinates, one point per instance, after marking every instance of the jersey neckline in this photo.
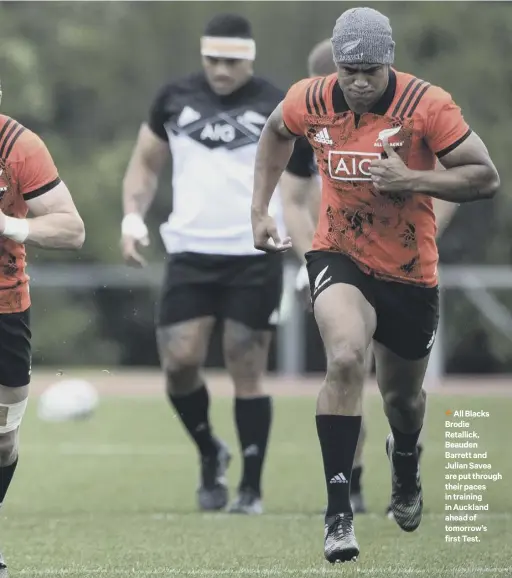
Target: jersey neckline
(246, 90)
(339, 104)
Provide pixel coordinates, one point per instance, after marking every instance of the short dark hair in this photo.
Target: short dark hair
(229, 26)
(320, 59)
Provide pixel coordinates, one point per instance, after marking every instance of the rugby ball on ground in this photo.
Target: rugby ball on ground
(66, 400)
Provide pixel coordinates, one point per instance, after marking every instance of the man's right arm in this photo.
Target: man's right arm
(300, 194)
(141, 178)
(140, 182)
(275, 148)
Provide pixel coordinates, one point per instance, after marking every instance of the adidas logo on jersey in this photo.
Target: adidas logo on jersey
(252, 121)
(323, 137)
(338, 479)
(188, 116)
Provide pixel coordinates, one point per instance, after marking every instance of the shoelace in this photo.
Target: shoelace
(342, 526)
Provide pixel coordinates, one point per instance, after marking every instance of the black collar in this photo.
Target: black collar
(380, 107)
(233, 98)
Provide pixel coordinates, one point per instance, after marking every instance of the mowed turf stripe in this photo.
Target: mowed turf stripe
(255, 571)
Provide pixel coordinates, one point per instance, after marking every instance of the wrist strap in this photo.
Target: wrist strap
(133, 226)
(16, 229)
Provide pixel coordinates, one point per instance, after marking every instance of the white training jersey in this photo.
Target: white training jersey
(213, 141)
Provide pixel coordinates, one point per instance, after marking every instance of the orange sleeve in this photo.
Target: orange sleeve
(294, 107)
(37, 172)
(446, 127)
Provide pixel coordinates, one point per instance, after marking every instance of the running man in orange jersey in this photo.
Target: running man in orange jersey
(376, 133)
(29, 182)
(300, 194)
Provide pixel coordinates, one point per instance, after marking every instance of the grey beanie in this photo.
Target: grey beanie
(362, 36)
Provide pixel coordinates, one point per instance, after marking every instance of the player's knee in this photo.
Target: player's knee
(404, 401)
(178, 358)
(182, 378)
(8, 448)
(346, 364)
(181, 363)
(11, 415)
(246, 356)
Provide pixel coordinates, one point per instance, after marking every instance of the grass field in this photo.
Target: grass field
(115, 496)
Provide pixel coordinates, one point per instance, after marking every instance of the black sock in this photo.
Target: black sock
(338, 435)
(355, 482)
(253, 418)
(6, 474)
(193, 411)
(405, 443)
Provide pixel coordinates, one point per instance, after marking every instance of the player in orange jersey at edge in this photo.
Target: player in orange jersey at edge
(376, 133)
(29, 181)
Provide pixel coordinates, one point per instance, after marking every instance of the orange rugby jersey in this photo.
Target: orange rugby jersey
(390, 236)
(26, 171)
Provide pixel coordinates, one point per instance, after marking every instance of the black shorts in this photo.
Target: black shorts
(407, 315)
(15, 349)
(244, 288)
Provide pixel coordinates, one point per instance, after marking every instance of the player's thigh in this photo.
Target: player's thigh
(189, 290)
(253, 290)
(251, 312)
(184, 345)
(342, 306)
(186, 312)
(15, 371)
(406, 328)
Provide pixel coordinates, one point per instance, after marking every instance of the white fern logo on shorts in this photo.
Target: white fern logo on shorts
(320, 281)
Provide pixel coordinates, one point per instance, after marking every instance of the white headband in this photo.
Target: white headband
(236, 48)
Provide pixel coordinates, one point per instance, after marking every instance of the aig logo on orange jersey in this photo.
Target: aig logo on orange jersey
(351, 165)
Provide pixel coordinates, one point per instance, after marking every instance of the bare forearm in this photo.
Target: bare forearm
(273, 154)
(56, 231)
(139, 190)
(457, 185)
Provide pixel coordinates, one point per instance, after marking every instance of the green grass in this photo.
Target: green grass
(115, 496)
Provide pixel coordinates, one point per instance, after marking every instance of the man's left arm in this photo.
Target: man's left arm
(471, 174)
(56, 223)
